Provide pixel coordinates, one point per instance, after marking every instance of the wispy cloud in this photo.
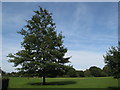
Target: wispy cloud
(90, 30)
(83, 20)
(13, 21)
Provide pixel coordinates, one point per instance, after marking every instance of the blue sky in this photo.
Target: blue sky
(89, 28)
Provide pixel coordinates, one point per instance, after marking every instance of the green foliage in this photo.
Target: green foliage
(3, 73)
(43, 50)
(87, 73)
(70, 71)
(107, 70)
(80, 73)
(96, 72)
(112, 59)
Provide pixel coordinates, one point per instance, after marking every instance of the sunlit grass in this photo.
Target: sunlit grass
(85, 82)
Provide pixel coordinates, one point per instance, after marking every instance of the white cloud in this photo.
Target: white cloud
(6, 49)
(82, 60)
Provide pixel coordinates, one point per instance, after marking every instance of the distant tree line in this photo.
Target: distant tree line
(93, 71)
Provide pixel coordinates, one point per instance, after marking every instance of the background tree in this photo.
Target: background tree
(80, 73)
(87, 73)
(96, 72)
(107, 70)
(71, 72)
(112, 59)
(43, 50)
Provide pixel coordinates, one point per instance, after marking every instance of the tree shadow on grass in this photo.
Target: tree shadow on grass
(54, 83)
(114, 88)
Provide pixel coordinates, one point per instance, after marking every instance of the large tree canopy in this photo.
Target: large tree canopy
(112, 59)
(43, 50)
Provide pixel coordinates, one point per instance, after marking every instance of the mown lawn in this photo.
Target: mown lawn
(89, 82)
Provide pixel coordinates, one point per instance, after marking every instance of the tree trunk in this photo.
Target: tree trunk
(43, 80)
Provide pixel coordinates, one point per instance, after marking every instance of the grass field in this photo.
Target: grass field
(89, 82)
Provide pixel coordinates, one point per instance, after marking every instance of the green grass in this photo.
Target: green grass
(89, 82)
